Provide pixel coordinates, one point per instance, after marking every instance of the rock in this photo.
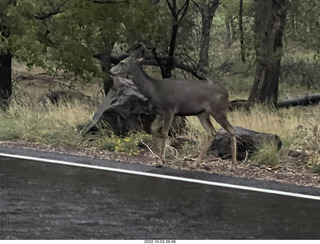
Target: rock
(247, 141)
(124, 109)
(299, 155)
(294, 153)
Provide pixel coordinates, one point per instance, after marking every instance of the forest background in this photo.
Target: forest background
(262, 51)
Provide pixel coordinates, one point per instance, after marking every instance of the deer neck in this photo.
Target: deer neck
(145, 84)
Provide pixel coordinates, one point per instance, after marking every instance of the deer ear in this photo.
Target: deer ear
(138, 54)
(140, 59)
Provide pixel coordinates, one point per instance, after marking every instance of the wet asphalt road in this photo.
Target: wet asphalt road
(45, 201)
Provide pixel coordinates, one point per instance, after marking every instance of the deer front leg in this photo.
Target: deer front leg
(233, 150)
(167, 119)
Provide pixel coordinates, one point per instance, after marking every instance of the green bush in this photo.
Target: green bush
(131, 144)
(299, 75)
(314, 163)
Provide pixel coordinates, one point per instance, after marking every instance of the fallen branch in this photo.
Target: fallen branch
(305, 100)
(300, 101)
(155, 155)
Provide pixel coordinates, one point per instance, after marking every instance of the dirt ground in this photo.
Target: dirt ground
(293, 168)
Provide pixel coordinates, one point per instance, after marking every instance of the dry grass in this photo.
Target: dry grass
(286, 123)
(52, 124)
(298, 128)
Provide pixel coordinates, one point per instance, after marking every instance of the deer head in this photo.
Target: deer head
(128, 66)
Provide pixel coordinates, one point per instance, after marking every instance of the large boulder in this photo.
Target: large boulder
(124, 109)
(248, 141)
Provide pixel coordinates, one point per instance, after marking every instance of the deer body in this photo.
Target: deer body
(209, 95)
(181, 97)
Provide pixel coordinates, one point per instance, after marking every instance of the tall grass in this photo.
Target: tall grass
(298, 127)
(56, 125)
(50, 124)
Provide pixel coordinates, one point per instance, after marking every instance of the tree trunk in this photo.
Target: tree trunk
(169, 64)
(242, 47)
(5, 79)
(269, 28)
(233, 26)
(177, 15)
(105, 61)
(207, 12)
(228, 31)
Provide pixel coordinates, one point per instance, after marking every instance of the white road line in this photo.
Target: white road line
(169, 177)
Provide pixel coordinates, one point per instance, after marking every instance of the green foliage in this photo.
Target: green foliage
(65, 35)
(303, 24)
(129, 144)
(300, 72)
(4, 31)
(67, 40)
(314, 163)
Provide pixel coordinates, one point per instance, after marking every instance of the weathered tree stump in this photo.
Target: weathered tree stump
(125, 109)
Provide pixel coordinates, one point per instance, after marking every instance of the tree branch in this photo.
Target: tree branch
(190, 69)
(197, 5)
(242, 47)
(185, 7)
(177, 63)
(170, 6)
(47, 15)
(109, 1)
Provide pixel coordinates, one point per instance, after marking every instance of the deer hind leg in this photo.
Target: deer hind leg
(223, 121)
(211, 133)
(167, 119)
(156, 125)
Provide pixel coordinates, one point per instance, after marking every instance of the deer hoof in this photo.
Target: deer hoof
(194, 166)
(233, 168)
(160, 163)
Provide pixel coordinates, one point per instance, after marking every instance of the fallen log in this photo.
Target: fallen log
(239, 104)
(305, 100)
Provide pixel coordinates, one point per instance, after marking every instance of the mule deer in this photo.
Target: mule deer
(180, 97)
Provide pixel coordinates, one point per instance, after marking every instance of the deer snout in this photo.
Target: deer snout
(117, 71)
(112, 71)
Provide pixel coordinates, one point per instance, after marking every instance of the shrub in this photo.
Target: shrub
(314, 163)
(267, 155)
(131, 144)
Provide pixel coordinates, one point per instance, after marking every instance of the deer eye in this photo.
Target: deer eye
(121, 63)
